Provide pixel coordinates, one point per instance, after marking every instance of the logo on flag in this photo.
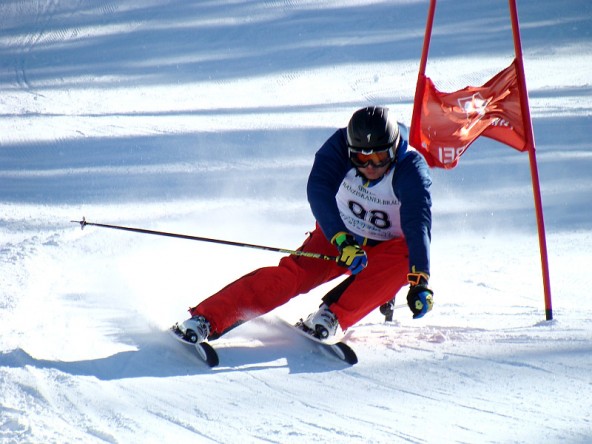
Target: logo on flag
(446, 124)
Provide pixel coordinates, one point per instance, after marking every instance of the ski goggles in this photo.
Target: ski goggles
(362, 158)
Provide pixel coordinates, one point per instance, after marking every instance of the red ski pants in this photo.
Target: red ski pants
(267, 288)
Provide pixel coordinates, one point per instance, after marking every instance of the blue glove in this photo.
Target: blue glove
(351, 254)
(420, 298)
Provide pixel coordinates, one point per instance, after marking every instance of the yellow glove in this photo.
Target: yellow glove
(351, 254)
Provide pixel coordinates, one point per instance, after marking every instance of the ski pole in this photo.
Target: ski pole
(83, 223)
(388, 309)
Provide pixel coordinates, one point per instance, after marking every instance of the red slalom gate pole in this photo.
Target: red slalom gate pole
(529, 134)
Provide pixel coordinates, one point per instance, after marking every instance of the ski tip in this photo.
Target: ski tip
(345, 353)
(340, 349)
(205, 351)
(208, 354)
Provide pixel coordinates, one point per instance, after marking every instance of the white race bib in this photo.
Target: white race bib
(371, 212)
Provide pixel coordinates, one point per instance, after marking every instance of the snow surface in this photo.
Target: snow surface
(202, 118)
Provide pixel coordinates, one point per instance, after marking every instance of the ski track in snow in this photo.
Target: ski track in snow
(203, 118)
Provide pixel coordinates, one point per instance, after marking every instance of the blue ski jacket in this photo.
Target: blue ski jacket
(411, 185)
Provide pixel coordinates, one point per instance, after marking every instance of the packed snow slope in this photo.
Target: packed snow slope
(202, 117)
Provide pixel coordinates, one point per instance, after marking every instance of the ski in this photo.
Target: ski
(340, 349)
(208, 354)
(205, 351)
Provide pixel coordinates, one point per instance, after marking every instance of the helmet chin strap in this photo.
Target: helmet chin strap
(370, 182)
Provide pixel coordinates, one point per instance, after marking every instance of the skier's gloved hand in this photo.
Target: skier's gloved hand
(419, 298)
(351, 254)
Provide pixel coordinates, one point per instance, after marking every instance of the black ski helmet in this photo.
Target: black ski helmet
(370, 129)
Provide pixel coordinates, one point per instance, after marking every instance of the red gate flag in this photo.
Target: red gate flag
(444, 125)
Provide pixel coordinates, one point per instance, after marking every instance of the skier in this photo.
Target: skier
(369, 193)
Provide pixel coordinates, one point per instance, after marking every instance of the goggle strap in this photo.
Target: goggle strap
(388, 146)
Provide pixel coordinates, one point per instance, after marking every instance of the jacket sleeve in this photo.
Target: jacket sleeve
(330, 166)
(411, 184)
